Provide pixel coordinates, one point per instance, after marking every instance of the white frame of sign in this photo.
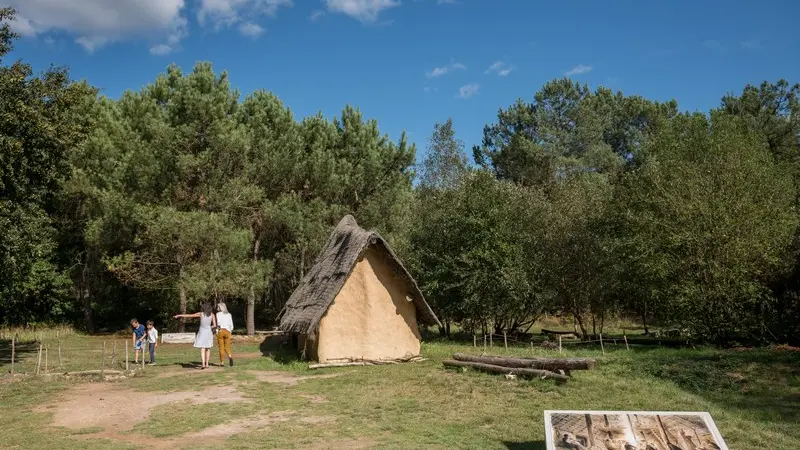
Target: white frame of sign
(709, 422)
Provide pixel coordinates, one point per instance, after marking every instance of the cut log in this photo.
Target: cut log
(364, 362)
(557, 332)
(531, 363)
(506, 370)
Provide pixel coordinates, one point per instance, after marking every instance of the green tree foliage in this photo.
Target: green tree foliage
(584, 203)
(193, 194)
(708, 219)
(40, 120)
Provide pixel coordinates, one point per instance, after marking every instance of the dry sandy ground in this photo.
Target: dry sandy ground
(114, 410)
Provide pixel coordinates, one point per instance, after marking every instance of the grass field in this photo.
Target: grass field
(753, 395)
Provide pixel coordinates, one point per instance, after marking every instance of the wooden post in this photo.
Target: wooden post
(143, 358)
(13, 351)
(559, 343)
(601, 345)
(39, 359)
(626, 341)
(103, 363)
(589, 429)
(127, 368)
(45, 360)
(474, 341)
(114, 354)
(484, 343)
(505, 340)
(60, 365)
(531, 346)
(491, 342)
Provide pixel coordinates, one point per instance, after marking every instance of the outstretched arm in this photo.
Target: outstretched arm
(188, 316)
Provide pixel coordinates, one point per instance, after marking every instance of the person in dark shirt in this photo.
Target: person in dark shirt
(139, 334)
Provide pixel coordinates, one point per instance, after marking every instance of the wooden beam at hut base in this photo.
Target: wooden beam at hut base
(506, 370)
(530, 363)
(364, 362)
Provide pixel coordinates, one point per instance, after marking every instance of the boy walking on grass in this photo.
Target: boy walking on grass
(138, 339)
(152, 341)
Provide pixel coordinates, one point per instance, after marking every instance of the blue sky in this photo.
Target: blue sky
(411, 63)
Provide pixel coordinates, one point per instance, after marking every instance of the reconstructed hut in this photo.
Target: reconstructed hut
(358, 301)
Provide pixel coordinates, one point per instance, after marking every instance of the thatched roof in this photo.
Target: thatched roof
(316, 291)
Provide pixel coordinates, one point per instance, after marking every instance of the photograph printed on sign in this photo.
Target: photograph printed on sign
(631, 430)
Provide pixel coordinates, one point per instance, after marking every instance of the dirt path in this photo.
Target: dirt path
(288, 378)
(111, 411)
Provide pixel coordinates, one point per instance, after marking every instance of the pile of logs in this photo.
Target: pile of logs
(559, 369)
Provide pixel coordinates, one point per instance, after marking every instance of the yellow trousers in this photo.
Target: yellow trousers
(224, 341)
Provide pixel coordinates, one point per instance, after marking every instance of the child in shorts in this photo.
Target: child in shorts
(139, 336)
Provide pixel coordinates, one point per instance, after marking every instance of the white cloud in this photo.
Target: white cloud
(225, 13)
(161, 49)
(95, 23)
(439, 71)
(713, 45)
(366, 11)
(468, 90)
(430, 89)
(752, 44)
(316, 15)
(579, 69)
(251, 30)
(500, 68)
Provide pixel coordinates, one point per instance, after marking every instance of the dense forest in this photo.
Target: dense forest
(586, 204)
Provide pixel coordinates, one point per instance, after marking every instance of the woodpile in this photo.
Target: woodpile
(558, 369)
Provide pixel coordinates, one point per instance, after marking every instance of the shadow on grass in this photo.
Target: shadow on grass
(21, 350)
(531, 445)
(279, 349)
(759, 381)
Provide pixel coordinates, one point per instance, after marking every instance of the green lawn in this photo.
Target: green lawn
(753, 395)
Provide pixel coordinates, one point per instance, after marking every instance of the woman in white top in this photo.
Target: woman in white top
(224, 330)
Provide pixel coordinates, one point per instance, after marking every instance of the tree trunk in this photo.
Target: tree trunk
(182, 307)
(531, 363)
(250, 319)
(251, 312)
(500, 369)
(85, 300)
(584, 332)
(644, 320)
(447, 329)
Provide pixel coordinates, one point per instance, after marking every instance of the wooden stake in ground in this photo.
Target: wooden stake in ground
(559, 343)
(60, 366)
(505, 341)
(13, 351)
(45, 360)
(114, 354)
(500, 369)
(601, 344)
(491, 343)
(626, 341)
(126, 356)
(39, 359)
(103, 362)
(484, 343)
(474, 341)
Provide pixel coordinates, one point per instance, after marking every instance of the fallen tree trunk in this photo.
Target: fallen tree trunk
(532, 363)
(557, 332)
(500, 369)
